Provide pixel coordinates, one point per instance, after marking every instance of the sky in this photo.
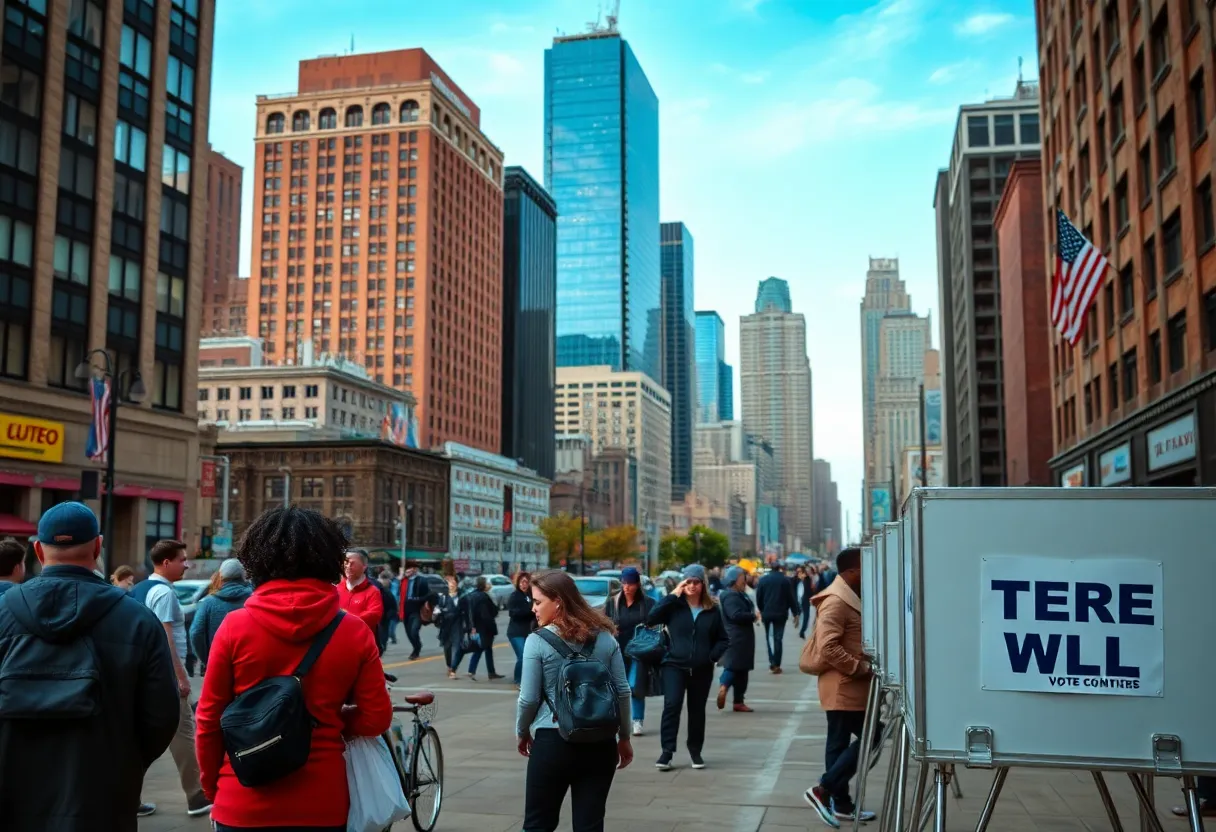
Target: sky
(797, 137)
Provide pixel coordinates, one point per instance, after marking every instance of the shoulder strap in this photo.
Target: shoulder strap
(556, 642)
(318, 644)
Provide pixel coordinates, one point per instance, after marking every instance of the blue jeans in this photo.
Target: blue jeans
(774, 632)
(517, 644)
(637, 704)
(736, 679)
(487, 650)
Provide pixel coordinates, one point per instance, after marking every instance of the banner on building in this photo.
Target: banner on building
(913, 469)
(206, 479)
(933, 417)
(399, 426)
(880, 506)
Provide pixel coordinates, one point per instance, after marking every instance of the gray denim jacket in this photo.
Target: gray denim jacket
(538, 684)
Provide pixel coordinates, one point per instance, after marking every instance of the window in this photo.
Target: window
(354, 116)
(1160, 42)
(25, 27)
(130, 145)
(1139, 86)
(289, 391)
(328, 119)
(299, 121)
(72, 260)
(1166, 152)
(1176, 329)
(1002, 129)
(179, 80)
(1149, 264)
(275, 123)
(20, 89)
(1199, 108)
(135, 52)
(1206, 222)
(1028, 124)
(83, 61)
(76, 173)
(1127, 291)
(1171, 235)
(14, 321)
(1112, 384)
(977, 131)
(183, 27)
(175, 169)
(1117, 116)
(1122, 210)
(124, 278)
(310, 391)
(1146, 175)
(170, 295)
(160, 522)
(246, 393)
(1086, 170)
(1209, 306)
(382, 114)
(80, 119)
(1154, 357)
(1108, 303)
(85, 21)
(267, 392)
(312, 486)
(1131, 381)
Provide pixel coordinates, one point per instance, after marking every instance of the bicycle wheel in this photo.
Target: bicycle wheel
(425, 778)
(398, 764)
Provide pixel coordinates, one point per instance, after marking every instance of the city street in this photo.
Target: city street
(757, 766)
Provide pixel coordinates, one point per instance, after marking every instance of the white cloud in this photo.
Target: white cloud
(754, 77)
(749, 6)
(876, 31)
(946, 74)
(983, 23)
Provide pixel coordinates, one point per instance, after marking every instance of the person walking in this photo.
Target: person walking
(359, 596)
(293, 557)
(521, 621)
(844, 688)
(447, 621)
(73, 755)
(804, 588)
(739, 622)
(479, 613)
(696, 640)
(555, 766)
(392, 611)
(415, 593)
(229, 592)
(775, 600)
(123, 578)
(628, 610)
(12, 564)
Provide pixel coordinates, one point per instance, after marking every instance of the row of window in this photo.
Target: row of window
(327, 119)
(288, 391)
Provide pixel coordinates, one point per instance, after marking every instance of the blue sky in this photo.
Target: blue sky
(798, 137)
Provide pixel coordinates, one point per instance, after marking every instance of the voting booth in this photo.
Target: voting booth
(890, 598)
(869, 610)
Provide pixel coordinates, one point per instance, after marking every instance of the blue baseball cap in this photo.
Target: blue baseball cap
(68, 524)
(630, 575)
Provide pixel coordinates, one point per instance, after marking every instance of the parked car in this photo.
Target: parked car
(500, 589)
(608, 573)
(189, 593)
(595, 590)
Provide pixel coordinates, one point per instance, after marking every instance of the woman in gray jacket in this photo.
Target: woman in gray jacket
(555, 765)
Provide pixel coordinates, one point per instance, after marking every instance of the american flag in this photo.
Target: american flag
(1080, 268)
(99, 429)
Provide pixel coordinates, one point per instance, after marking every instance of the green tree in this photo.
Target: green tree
(710, 550)
(669, 551)
(561, 532)
(614, 544)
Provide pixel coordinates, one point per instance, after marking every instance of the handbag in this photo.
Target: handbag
(648, 644)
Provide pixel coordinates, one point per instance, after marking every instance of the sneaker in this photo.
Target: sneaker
(472, 677)
(740, 708)
(821, 802)
(637, 727)
(777, 670)
(495, 676)
(697, 762)
(664, 762)
(845, 811)
(145, 809)
(722, 696)
(198, 805)
(1207, 809)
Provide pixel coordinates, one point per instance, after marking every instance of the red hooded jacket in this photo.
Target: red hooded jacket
(364, 601)
(267, 638)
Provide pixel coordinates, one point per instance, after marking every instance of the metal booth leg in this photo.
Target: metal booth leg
(1192, 803)
(864, 750)
(956, 787)
(917, 807)
(888, 795)
(1112, 813)
(941, 780)
(896, 823)
(1148, 812)
(994, 793)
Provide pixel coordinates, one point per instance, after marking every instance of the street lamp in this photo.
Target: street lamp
(285, 470)
(696, 541)
(136, 393)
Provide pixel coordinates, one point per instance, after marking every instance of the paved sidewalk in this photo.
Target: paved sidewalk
(758, 766)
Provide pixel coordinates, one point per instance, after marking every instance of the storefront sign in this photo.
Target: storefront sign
(206, 479)
(1074, 477)
(1115, 466)
(1173, 443)
(22, 437)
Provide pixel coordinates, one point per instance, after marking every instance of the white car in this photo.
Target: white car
(595, 590)
(500, 589)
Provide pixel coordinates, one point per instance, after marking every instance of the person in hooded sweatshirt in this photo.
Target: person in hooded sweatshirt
(90, 698)
(293, 557)
(231, 595)
(360, 596)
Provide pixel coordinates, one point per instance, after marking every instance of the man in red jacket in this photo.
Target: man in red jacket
(359, 596)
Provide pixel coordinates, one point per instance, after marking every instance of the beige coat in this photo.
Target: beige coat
(834, 652)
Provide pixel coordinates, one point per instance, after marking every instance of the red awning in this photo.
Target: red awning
(16, 526)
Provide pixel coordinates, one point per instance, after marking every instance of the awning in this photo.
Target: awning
(412, 554)
(10, 525)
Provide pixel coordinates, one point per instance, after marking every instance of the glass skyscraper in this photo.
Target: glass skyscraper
(679, 359)
(602, 169)
(715, 379)
(773, 296)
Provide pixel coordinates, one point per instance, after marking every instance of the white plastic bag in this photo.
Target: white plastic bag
(376, 798)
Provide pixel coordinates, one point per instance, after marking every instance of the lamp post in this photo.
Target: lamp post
(696, 541)
(582, 529)
(285, 470)
(136, 393)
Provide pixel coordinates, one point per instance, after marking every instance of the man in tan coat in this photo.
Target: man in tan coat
(844, 685)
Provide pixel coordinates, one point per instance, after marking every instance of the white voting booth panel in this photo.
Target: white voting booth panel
(869, 612)
(1060, 627)
(909, 591)
(890, 577)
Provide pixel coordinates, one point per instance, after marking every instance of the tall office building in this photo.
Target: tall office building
(903, 339)
(827, 509)
(222, 243)
(679, 349)
(529, 284)
(103, 203)
(715, 390)
(776, 384)
(987, 140)
(885, 295)
(602, 168)
(379, 235)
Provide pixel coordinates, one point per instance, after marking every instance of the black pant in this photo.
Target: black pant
(413, 628)
(1206, 787)
(841, 752)
(737, 680)
(676, 682)
(806, 619)
(586, 769)
(774, 632)
(219, 827)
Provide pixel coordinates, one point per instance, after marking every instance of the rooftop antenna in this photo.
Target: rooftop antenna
(1019, 71)
(352, 43)
(610, 19)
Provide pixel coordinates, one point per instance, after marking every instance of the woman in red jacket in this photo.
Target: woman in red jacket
(293, 558)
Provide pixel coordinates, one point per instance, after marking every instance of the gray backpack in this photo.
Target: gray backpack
(586, 709)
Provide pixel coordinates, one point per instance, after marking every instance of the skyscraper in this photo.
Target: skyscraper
(885, 295)
(776, 382)
(726, 391)
(221, 255)
(679, 349)
(715, 387)
(529, 279)
(602, 169)
(378, 161)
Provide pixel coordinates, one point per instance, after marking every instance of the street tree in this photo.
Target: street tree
(705, 546)
(614, 544)
(562, 533)
(669, 551)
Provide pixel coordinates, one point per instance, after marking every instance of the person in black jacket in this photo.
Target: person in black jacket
(478, 611)
(628, 609)
(415, 592)
(73, 752)
(739, 621)
(775, 600)
(804, 588)
(521, 620)
(696, 640)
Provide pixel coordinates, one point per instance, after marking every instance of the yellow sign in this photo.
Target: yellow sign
(23, 437)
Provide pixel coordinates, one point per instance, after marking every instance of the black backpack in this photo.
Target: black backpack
(268, 729)
(586, 709)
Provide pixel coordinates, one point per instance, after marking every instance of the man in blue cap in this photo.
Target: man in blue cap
(89, 700)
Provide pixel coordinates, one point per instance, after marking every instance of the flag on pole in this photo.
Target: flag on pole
(1080, 269)
(99, 427)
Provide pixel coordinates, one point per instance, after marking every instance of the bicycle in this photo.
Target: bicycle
(419, 761)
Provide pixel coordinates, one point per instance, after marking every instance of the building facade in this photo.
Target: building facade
(885, 295)
(679, 349)
(1025, 327)
(727, 483)
(221, 257)
(988, 138)
(776, 384)
(827, 509)
(602, 168)
(715, 391)
(379, 235)
(1129, 106)
(497, 506)
(103, 208)
(529, 321)
(623, 411)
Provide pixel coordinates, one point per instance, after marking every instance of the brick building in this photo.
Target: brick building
(1128, 104)
(378, 235)
(222, 248)
(1025, 328)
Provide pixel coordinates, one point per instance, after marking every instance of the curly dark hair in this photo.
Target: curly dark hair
(292, 543)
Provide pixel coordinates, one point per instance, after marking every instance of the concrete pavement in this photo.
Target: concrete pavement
(757, 765)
